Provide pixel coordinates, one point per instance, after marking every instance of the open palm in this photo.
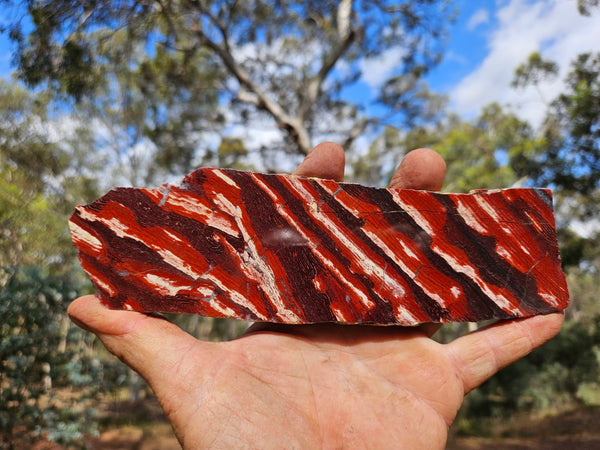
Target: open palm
(315, 386)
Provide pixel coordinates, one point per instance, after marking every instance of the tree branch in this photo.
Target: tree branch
(346, 37)
(293, 126)
(252, 93)
(358, 128)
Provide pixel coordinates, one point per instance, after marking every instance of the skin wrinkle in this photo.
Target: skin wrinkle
(245, 419)
(210, 404)
(348, 418)
(430, 400)
(397, 391)
(224, 436)
(314, 397)
(437, 405)
(380, 421)
(351, 354)
(486, 358)
(267, 382)
(172, 411)
(397, 387)
(465, 371)
(526, 333)
(234, 415)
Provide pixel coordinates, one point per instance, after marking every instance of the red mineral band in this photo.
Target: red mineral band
(286, 249)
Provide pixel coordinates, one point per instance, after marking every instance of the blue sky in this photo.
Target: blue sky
(466, 46)
(489, 39)
(498, 36)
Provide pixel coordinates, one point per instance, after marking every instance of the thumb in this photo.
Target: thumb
(480, 354)
(152, 346)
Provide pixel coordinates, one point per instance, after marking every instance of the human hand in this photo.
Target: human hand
(315, 386)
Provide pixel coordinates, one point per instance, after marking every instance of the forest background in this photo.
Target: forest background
(141, 92)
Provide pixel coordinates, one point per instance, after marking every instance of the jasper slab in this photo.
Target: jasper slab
(285, 249)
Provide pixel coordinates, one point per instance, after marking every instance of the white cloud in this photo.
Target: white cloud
(377, 69)
(479, 17)
(258, 133)
(459, 58)
(554, 28)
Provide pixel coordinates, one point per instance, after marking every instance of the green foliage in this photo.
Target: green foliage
(585, 6)
(568, 154)
(41, 178)
(573, 247)
(31, 228)
(42, 357)
(549, 378)
(584, 288)
(163, 100)
(534, 70)
(575, 165)
(231, 154)
(409, 96)
(24, 137)
(479, 154)
(35, 358)
(476, 153)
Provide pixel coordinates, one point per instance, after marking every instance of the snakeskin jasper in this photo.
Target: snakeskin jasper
(285, 249)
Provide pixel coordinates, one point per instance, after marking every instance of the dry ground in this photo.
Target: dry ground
(141, 426)
(578, 429)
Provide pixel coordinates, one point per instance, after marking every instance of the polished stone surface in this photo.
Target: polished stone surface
(285, 249)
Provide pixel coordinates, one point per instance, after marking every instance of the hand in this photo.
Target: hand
(315, 386)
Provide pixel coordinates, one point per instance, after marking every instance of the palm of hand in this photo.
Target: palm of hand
(319, 387)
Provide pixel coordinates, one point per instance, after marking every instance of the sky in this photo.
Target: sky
(489, 39)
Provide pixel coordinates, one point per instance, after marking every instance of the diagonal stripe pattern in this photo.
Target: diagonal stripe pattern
(286, 249)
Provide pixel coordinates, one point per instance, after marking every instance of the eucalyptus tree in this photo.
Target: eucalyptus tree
(173, 73)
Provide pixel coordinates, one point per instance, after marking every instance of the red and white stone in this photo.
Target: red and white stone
(286, 249)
